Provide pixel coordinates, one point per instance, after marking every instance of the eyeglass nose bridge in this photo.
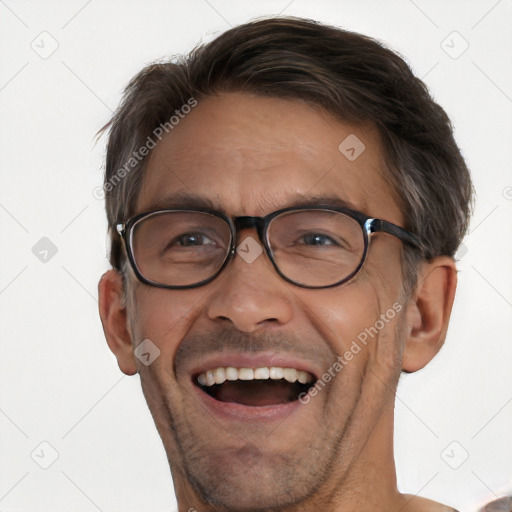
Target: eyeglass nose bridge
(246, 222)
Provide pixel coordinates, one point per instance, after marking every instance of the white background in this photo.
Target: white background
(60, 384)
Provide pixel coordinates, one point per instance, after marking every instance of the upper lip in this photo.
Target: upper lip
(258, 360)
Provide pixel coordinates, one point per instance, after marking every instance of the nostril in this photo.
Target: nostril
(268, 320)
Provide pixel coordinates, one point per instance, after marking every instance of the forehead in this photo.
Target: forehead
(249, 155)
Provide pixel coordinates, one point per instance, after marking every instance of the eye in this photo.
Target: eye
(318, 239)
(192, 239)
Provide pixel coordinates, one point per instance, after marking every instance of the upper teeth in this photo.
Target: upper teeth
(221, 374)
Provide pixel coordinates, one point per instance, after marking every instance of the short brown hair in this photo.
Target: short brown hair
(353, 77)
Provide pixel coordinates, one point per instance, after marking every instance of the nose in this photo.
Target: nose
(250, 294)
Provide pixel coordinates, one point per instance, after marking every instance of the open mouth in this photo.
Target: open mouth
(254, 386)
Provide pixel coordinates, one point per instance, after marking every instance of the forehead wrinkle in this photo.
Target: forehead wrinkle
(259, 159)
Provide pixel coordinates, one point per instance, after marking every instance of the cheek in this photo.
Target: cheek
(357, 318)
(164, 317)
(342, 314)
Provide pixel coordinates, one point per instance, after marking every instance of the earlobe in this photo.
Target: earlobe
(428, 312)
(114, 320)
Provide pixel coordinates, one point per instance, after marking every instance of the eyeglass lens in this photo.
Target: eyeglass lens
(309, 247)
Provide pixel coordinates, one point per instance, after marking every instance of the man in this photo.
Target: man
(284, 207)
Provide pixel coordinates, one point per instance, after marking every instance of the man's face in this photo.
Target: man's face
(251, 155)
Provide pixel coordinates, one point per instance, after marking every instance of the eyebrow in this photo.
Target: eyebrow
(182, 199)
(186, 199)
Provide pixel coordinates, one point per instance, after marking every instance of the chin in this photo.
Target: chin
(250, 487)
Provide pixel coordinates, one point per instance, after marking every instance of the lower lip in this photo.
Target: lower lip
(235, 411)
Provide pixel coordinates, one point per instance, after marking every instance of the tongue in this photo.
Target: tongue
(255, 392)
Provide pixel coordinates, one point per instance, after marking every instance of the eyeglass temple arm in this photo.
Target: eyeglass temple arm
(378, 225)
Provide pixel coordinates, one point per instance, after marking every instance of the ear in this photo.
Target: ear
(114, 320)
(428, 312)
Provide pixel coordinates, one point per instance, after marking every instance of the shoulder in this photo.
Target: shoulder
(418, 504)
(503, 504)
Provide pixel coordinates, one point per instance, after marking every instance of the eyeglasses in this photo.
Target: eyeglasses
(311, 247)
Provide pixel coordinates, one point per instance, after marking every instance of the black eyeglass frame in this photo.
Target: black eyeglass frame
(369, 226)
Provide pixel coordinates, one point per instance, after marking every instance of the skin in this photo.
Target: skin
(252, 155)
